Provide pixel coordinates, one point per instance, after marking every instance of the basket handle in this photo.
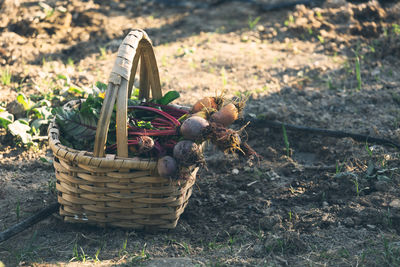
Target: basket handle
(136, 46)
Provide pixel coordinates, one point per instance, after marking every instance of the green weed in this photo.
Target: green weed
(123, 250)
(368, 149)
(103, 53)
(289, 21)
(253, 22)
(358, 70)
(142, 256)
(223, 77)
(396, 28)
(321, 39)
(70, 62)
(285, 140)
(6, 76)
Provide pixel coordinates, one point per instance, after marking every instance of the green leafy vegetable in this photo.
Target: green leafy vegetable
(75, 125)
(101, 86)
(169, 97)
(92, 106)
(25, 101)
(5, 118)
(21, 128)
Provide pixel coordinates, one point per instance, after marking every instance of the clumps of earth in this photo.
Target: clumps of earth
(342, 23)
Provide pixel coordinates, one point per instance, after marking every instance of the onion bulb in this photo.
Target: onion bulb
(212, 103)
(227, 115)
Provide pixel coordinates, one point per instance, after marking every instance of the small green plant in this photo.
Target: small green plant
(96, 256)
(396, 29)
(186, 247)
(48, 10)
(286, 141)
(6, 76)
(321, 39)
(52, 186)
(79, 254)
(70, 62)
(75, 254)
(142, 256)
(123, 250)
(358, 70)
(339, 167)
(368, 149)
(289, 21)
(253, 22)
(223, 77)
(103, 52)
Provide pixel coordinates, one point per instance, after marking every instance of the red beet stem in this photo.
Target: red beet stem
(154, 132)
(160, 112)
(176, 112)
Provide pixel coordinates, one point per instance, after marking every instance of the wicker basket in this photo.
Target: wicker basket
(114, 190)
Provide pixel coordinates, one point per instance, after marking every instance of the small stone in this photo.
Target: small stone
(371, 226)
(235, 171)
(395, 204)
(244, 38)
(325, 204)
(260, 28)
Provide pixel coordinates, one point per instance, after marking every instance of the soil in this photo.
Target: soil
(317, 201)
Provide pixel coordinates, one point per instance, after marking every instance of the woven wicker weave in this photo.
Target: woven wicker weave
(114, 190)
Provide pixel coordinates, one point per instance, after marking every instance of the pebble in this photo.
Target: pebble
(260, 28)
(325, 204)
(395, 204)
(235, 171)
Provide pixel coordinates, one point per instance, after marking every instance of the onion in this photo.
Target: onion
(192, 128)
(188, 153)
(206, 102)
(227, 115)
(167, 166)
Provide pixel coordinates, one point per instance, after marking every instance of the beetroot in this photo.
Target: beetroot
(192, 128)
(188, 153)
(167, 166)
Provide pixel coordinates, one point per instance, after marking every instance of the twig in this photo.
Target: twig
(319, 131)
(28, 222)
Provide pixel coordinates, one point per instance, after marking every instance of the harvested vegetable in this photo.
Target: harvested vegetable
(167, 166)
(227, 115)
(156, 129)
(213, 103)
(188, 153)
(192, 128)
(227, 140)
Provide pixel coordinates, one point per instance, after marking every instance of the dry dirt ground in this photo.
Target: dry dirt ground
(324, 202)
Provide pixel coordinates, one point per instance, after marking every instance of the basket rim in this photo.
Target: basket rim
(87, 158)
